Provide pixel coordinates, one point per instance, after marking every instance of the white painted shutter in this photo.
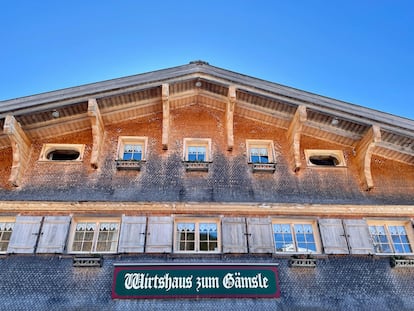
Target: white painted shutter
(132, 236)
(260, 235)
(159, 235)
(54, 234)
(25, 233)
(359, 239)
(234, 235)
(333, 236)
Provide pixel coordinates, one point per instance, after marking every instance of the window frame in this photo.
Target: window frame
(262, 144)
(292, 223)
(386, 224)
(197, 142)
(337, 154)
(132, 140)
(95, 239)
(196, 222)
(50, 147)
(6, 220)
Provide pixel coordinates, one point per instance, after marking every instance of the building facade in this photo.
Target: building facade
(197, 187)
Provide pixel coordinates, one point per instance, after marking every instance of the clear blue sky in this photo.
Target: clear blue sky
(361, 51)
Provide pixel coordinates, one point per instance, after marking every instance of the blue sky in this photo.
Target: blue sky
(361, 52)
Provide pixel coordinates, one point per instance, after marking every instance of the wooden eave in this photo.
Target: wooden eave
(199, 83)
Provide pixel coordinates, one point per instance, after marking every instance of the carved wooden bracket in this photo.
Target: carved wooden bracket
(364, 150)
(293, 135)
(98, 130)
(231, 105)
(21, 149)
(165, 115)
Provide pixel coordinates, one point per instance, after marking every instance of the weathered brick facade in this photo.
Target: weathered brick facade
(203, 102)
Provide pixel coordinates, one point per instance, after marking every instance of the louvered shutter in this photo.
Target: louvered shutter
(234, 235)
(54, 234)
(359, 239)
(260, 235)
(25, 233)
(132, 236)
(333, 236)
(159, 235)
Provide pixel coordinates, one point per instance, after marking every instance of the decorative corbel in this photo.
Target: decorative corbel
(21, 149)
(364, 150)
(165, 115)
(231, 105)
(98, 130)
(293, 135)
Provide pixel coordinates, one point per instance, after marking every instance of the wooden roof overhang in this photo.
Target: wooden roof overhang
(96, 105)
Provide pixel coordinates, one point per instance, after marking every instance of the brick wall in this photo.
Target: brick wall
(163, 177)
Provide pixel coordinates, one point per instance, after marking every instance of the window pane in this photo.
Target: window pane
(399, 239)
(305, 238)
(83, 237)
(283, 238)
(208, 236)
(132, 152)
(185, 236)
(381, 244)
(259, 155)
(6, 229)
(107, 237)
(196, 153)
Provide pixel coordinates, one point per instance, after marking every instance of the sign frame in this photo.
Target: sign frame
(195, 280)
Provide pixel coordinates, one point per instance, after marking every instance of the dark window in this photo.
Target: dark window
(63, 155)
(324, 160)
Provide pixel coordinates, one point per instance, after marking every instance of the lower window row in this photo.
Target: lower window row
(129, 234)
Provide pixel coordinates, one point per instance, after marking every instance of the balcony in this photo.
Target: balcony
(128, 165)
(263, 167)
(196, 166)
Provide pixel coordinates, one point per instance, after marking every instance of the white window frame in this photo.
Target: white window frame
(197, 142)
(132, 140)
(386, 224)
(97, 222)
(292, 223)
(48, 148)
(196, 222)
(5, 224)
(337, 154)
(261, 144)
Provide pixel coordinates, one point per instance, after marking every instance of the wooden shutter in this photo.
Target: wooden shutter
(333, 236)
(54, 234)
(25, 233)
(234, 235)
(159, 235)
(260, 235)
(359, 239)
(132, 236)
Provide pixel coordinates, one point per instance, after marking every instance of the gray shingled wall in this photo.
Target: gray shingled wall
(337, 283)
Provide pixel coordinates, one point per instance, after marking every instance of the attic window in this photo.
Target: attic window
(62, 152)
(63, 155)
(325, 158)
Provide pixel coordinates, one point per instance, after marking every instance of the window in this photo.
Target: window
(261, 155)
(392, 237)
(197, 236)
(326, 158)
(197, 149)
(6, 229)
(132, 148)
(197, 154)
(62, 152)
(131, 152)
(298, 237)
(95, 236)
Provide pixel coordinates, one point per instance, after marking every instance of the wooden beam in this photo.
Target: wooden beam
(231, 105)
(293, 135)
(347, 211)
(364, 150)
(98, 130)
(21, 149)
(165, 115)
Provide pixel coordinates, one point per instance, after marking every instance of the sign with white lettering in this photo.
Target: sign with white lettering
(195, 281)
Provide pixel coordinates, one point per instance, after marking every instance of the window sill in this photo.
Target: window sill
(196, 166)
(128, 165)
(263, 167)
